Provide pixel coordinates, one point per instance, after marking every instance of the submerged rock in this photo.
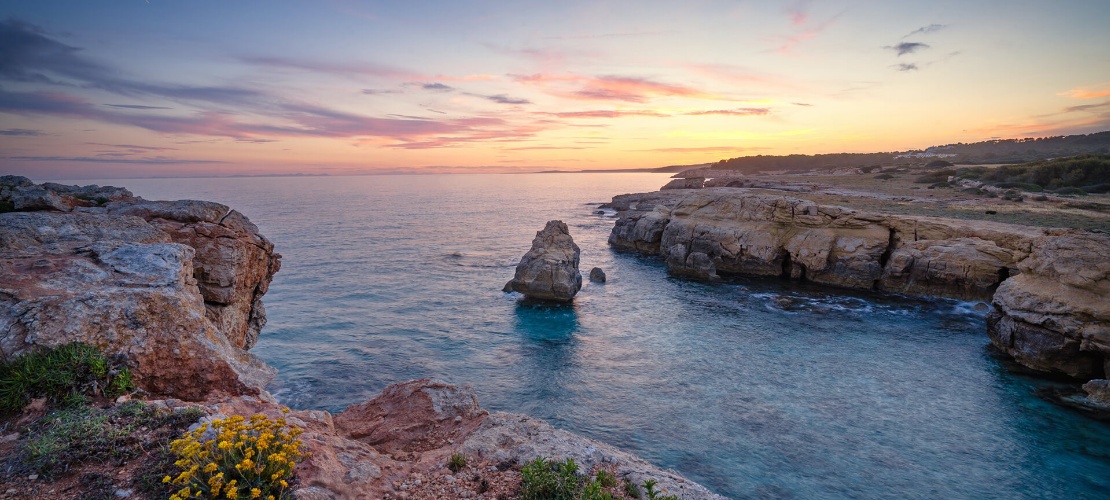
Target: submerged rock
(597, 275)
(549, 271)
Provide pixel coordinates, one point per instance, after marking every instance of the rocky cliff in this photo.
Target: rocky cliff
(1050, 288)
(173, 287)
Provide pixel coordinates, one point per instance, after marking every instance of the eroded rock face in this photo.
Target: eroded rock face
(1049, 287)
(1055, 315)
(549, 271)
(234, 263)
(134, 278)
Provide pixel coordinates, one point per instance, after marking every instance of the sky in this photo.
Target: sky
(134, 88)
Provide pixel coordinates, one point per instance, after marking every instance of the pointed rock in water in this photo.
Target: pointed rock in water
(597, 275)
(549, 271)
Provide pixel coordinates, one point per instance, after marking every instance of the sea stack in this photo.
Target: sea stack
(549, 271)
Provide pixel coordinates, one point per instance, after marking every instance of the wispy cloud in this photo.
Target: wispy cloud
(437, 87)
(798, 12)
(348, 69)
(704, 149)
(906, 67)
(731, 112)
(503, 99)
(131, 148)
(1088, 92)
(610, 88)
(925, 30)
(21, 132)
(154, 160)
(904, 48)
(135, 106)
(606, 113)
(380, 91)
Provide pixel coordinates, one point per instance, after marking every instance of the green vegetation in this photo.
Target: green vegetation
(80, 434)
(542, 479)
(236, 457)
(649, 489)
(456, 462)
(1091, 173)
(65, 375)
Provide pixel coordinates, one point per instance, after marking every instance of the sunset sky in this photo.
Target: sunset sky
(156, 88)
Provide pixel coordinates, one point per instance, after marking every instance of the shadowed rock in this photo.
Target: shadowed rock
(549, 271)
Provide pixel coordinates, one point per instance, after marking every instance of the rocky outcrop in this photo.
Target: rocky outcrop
(549, 271)
(1049, 287)
(597, 275)
(687, 183)
(397, 445)
(173, 287)
(1055, 315)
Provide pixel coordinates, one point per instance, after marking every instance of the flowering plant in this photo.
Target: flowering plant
(237, 458)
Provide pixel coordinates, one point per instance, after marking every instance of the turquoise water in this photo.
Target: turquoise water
(389, 278)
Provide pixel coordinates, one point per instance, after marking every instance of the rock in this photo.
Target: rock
(1098, 391)
(597, 275)
(23, 195)
(133, 278)
(687, 183)
(234, 263)
(1048, 287)
(549, 271)
(418, 415)
(1054, 316)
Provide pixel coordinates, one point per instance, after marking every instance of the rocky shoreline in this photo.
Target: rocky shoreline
(1048, 287)
(174, 290)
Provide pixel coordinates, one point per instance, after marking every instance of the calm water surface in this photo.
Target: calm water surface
(389, 278)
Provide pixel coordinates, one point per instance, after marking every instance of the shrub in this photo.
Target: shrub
(1070, 190)
(456, 462)
(884, 176)
(1024, 186)
(64, 374)
(234, 457)
(542, 479)
(649, 490)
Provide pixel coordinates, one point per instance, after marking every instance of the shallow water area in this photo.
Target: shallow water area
(754, 388)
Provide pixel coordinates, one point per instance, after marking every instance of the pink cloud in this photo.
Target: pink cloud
(1088, 92)
(609, 88)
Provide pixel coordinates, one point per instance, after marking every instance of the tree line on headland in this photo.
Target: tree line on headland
(999, 151)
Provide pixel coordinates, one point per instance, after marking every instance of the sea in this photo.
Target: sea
(755, 388)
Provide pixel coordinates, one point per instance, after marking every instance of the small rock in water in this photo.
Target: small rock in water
(549, 271)
(597, 275)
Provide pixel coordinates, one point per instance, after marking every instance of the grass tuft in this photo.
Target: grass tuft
(66, 375)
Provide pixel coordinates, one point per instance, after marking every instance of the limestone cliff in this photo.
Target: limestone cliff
(173, 287)
(1049, 287)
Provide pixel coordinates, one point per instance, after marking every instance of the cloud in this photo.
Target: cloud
(906, 67)
(606, 114)
(135, 106)
(503, 99)
(21, 132)
(437, 87)
(1087, 107)
(798, 12)
(907, 47)
(379, 91)
(705, 149)
(806, 104)
(155, 160)
(609, 88)
(131, 147)
(30, 56)
(925, 30)
(1088, 92)
(731, 112)
(351, 69)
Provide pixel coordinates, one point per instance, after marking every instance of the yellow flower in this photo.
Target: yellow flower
(255, 492)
